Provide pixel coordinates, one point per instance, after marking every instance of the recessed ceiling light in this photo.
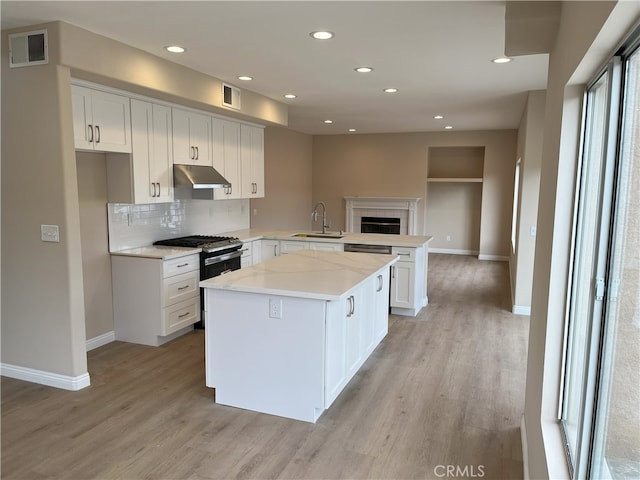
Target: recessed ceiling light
(321, 35)
(174, 49)
(245, 78)
(352, 129)
(289, 95)
(448, 127)
(364, 69)
(328, 121)
(390, 90)
(502, 60)
(438, 117)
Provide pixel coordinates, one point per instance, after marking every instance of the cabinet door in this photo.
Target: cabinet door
(111, 122)
(82, 123)
(326, 247)
(336, 354)
(381, 306)
(231, 155)
(161, 161)
(354, 314)
(252, 161)
(402, 284)
(256, 256)
(191, 138)
(269, 249)
(141, 125)
(292, 246)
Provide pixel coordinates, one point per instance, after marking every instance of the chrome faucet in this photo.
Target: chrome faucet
(314, 215)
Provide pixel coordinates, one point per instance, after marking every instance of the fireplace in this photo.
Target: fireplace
(388, 225)
(402, 208)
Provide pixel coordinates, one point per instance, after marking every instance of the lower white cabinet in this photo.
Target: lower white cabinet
(288, 246)
(269, 249)
(326, 247)
(154, 301)
(408, 282)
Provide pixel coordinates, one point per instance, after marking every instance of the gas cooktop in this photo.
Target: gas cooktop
(205, 242)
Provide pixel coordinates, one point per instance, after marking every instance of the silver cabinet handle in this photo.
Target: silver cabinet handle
(197, 153)
(393, 271)
(159, 189)
(352, 306)
(379, 283)
(182, 265)
(275, 250)
(97, 134)
(182, 288)
(184, 315)
(193, 153)
(153, 194)
(90, 127)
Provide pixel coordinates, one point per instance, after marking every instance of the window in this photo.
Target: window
(514, 215)
(601, 395)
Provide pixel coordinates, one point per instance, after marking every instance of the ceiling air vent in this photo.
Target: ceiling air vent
(230, 96)
(28, 48)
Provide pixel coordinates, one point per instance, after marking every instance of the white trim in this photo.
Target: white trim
(45, 378)
(406, 205)
(101, 340)
(498, 258)
(453, 251)
(521, 310)
(525, 451)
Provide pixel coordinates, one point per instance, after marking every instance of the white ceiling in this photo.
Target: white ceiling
(438, 54)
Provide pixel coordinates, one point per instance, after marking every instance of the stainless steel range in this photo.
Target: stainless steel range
(219, 255)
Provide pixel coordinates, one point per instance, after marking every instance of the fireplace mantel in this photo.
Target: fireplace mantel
(402, 207)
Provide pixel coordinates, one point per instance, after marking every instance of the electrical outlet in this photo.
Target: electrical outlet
(448, 238)
(533, 231)
(49, 233)
(275, 308)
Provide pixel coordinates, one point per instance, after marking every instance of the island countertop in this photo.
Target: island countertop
(305, 274)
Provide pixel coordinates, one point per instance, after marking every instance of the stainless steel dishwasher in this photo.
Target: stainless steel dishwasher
(364, 248)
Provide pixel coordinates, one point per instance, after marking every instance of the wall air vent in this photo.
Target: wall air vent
(28, 48)
(230, 96)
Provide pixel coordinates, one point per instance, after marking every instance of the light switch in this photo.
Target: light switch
(533, 231)
(49, 233)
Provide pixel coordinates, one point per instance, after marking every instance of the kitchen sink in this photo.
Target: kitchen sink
(318, 235)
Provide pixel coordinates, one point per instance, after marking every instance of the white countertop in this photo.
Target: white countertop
(306, 274)
(412, 241)
(160, 252)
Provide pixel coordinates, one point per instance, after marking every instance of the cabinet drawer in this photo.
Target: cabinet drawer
(178, 265)
(406, 254)
(180, 287)
(180, 315)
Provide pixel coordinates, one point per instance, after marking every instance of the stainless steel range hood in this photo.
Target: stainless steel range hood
(196, 182)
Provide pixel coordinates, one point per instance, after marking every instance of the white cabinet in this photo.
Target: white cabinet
(408, 281)
(326, 246)
(191, 138)
(288, 246)
(381, 307)
(154, 301)
(252, 161)
(101, 120)
(227, 157)
(269, 249)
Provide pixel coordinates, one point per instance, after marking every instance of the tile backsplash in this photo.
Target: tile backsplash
(132, 226)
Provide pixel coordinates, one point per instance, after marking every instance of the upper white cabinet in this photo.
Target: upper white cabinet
(192, 143)
(101, 120)
(252, 161)
(152, 153)
(145, 176)
(229, 164)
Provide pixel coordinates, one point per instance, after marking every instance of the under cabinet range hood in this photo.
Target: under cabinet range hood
(198, 176)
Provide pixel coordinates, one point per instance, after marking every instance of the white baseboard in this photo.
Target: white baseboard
(498, 258)
(45, 378)
(525, 451)
(101, 340)
(452, 251)
(521, 310)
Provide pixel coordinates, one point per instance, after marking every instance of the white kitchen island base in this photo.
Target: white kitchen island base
(290, 350)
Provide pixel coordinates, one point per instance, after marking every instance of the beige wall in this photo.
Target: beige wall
(530, 152)
(94, 235)
(395, 165)
(42, 301)
(288, 167)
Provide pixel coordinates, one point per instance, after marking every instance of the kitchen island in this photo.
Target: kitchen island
(285, 336)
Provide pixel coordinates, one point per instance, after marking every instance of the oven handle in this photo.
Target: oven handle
(222, 258)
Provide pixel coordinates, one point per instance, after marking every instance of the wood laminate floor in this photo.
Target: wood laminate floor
(443, 392)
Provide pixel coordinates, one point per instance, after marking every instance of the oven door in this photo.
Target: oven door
(219, 265)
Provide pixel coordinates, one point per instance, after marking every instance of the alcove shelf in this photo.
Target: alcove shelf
(454, 180)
